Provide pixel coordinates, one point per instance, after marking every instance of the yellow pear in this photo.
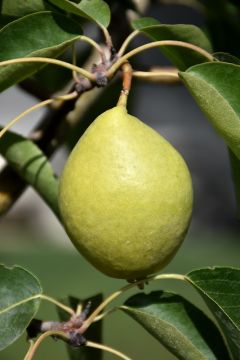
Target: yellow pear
(125, 196)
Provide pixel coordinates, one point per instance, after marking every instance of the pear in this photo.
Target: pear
(125, 196)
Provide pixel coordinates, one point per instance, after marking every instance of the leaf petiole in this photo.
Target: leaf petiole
(57, 303)
(154, 44)
(107, 36)
(35, 107)
(104, 314)
(57, 62)
(108, 349)
(31, 344)
(127, 42)
(34, 347)
(96, 46)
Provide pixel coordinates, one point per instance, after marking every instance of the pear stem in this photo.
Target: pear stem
(127, 81)
(119, 292)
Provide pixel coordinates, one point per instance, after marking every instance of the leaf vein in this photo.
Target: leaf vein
(9, 308)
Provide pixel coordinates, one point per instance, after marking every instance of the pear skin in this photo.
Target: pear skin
(125, 196)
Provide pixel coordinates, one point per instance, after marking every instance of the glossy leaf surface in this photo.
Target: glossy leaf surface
(43, 34)
(94, 10)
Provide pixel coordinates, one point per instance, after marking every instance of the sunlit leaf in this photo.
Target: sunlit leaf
(41, 34)
(94, 10)
(220, 288)
(215, 87)
(234, 161)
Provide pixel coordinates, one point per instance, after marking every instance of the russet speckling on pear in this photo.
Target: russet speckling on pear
(125, 196)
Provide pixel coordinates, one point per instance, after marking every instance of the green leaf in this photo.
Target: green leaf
(181, 327)
(94, 333)
(19, 8)
(220, 288)
(31, 164)
(19, 302)
(60, 76)
(142, 23)
(215, 87)
(41, 34)
(182, 58)
(222, 23)
(225, 57)
(234, 161)
(13, 9)
(94, 10)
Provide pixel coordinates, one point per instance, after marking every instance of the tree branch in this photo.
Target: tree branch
(48, 136)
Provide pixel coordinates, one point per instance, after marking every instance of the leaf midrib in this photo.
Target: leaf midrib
(9, 308)
(173, 326)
